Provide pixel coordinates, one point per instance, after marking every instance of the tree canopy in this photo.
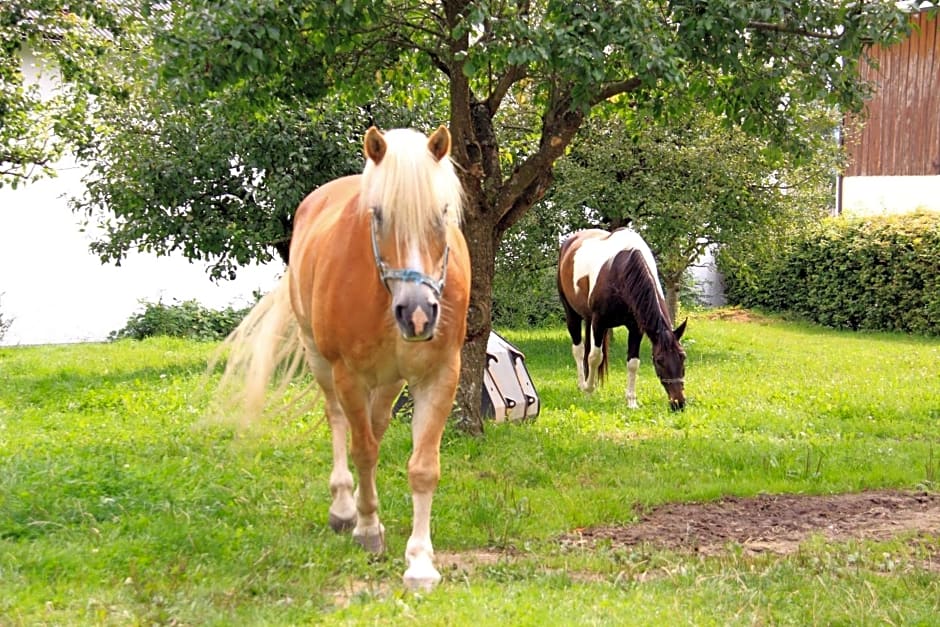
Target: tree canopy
(35, 128)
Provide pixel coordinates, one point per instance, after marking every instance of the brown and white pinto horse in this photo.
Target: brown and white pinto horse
(610, 280)
(375, 295)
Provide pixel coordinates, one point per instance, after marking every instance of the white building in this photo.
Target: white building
(894, 156)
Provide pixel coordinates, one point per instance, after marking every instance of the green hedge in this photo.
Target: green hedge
(877, 273)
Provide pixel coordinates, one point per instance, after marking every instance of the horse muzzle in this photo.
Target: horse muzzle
(675, 389)
(416, 314)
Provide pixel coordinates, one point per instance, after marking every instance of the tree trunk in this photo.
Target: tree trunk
(482, 244)
(672, 300)
(494, 201)
(493, 205)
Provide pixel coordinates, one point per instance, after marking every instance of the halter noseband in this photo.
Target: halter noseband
(387, 274)
(668, 381)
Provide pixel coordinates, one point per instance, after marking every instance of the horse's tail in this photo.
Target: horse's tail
(264, 348)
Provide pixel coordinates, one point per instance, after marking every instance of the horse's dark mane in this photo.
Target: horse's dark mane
(639, 290)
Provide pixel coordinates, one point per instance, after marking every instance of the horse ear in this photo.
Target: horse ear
(680, 329)
(439, 143)
(374, 145)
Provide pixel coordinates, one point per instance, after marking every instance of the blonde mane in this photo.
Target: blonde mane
(414, 192)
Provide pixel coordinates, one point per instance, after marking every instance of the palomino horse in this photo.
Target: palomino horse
(610, 280)
(375, 295)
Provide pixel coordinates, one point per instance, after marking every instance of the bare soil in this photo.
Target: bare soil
(764, 524)
(773, 523)
(735, 314)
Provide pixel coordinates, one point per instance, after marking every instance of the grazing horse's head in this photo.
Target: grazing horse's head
(669, 362)
(410, 186)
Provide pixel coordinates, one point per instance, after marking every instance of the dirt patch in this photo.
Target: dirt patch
(772, 523)
(735, 314)
(468, 561)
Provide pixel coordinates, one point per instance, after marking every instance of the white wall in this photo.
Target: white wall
(56, 291)
(709, 283)
(872, 195)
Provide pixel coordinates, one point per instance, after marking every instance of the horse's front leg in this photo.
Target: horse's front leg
(433, 403)
(343, 507)
(634, 337)
(364, 450)
(342, 515)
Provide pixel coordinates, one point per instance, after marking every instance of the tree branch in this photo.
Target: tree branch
(529, 196)
(613, 89)
(513, 75)
(791, 30)
(465, 148)
(558, 128)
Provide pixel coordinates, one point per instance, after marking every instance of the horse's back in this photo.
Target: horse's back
(595, 251)
(571, 287)
(574, 241)
(327, 200)
(587, 252)
(330, 243)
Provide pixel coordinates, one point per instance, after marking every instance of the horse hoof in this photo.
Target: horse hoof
(373, 543)
(341, 525)
(422, 581)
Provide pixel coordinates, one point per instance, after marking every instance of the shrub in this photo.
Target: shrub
(877, 273)
(187, 319)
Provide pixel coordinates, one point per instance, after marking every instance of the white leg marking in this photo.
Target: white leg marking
(343, 508)
(419, 553)
(632, 366)
(577, 351)
(594, 362)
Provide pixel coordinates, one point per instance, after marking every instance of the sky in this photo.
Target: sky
(56, 291)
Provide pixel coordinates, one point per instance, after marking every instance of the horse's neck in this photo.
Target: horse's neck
(649, 307)
(657, 327)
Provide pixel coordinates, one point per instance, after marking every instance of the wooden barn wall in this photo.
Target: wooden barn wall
(901, 133)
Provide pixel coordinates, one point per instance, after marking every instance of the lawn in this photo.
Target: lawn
(120, 505)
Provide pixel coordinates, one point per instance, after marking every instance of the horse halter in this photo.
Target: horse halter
(387, 274)
(668, 381)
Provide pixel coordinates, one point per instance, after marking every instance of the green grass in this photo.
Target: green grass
(119, 506)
